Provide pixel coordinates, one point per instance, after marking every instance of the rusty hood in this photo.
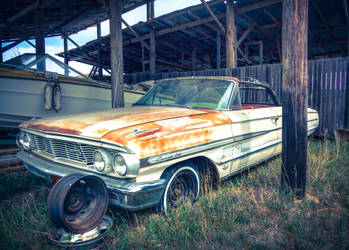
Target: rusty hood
(98, 124)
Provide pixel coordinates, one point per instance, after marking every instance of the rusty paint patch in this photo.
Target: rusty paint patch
(54, 129)
(171, 134)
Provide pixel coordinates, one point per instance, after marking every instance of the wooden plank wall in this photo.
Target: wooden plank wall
(327, 85)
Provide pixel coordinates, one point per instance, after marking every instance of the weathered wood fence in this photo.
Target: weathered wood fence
(328, 86)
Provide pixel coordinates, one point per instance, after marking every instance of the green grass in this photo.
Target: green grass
(246, 211)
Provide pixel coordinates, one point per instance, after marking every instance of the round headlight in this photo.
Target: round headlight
(25, 141)
(102, 161)
(19, 139)
(119, 165)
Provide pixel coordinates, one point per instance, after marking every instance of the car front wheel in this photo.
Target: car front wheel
(183, 186)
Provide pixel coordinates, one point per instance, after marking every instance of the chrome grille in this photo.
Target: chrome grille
(65, 149)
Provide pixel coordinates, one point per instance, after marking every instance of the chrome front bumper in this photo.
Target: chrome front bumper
(122, 193)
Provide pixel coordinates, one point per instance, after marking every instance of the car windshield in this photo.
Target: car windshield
(190, 93)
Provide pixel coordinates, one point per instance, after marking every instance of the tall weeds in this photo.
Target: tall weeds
(246, 211)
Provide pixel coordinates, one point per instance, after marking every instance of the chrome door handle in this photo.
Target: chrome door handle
(274, 119)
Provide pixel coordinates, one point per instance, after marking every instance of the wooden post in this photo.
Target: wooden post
(66, 59)
(279, 49)
(294, 96)
(143, 63)
(193, 57)
(218, 56)
(150, 16)
(99, 52)
(346, 110)
(116, 57)
(1, 59)
(182, 57)
(40, 38)
(230, 35)
(261, 53)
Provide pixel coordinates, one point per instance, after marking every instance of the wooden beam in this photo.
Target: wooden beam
(40, 37)
(173, 29)
(193, 57)
(135, 34)
(220, 25)
(33, 6)
(85, 54)
(198, 7)
(75, 43)
(99, 52)
(10, 46)
(65, 51)
(346, 111)
(346, 13)
(244, 56)
(213, 27)
(218, 51)
(323, 19)
(258, 26)
(279, 49)
(150, 17)
(261, 53)
(246, 32)
(52, 28)
(272, 17)
(116, 57)
(256, 6)
(294, 96)
(143, 58)
(178, 28)
(1, 59)
(182, 58)
(169, 63)
(31, 44)
(230, 35)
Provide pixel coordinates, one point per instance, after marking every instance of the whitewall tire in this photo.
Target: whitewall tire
(183, 186)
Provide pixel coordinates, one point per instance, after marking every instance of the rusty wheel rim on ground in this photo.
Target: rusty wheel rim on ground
(78, 202)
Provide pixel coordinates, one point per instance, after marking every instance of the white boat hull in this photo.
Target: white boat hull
(22, 98)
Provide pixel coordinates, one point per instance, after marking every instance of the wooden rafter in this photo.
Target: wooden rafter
(272, 17)
(28, 9)
(244, 35)
(257, 5)
(220, 25)
(10, 46)
(135, 33)
(323, 19)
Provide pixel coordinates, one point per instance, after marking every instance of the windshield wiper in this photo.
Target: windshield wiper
(138, 104)
(178, 105)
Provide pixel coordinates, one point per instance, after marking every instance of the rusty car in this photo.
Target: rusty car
(158, 152)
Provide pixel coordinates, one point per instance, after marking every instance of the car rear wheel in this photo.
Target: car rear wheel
(183, 186)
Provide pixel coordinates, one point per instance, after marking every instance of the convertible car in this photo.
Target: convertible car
(158, 152)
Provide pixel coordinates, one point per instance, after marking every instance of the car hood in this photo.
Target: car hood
(98, 124)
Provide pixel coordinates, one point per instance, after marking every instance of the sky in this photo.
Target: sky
(54, 45)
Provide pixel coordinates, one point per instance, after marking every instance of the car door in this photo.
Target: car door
(255, 132)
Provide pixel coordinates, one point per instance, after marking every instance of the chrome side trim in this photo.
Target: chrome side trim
(147, 162)
(249, 152)
(200, 148)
